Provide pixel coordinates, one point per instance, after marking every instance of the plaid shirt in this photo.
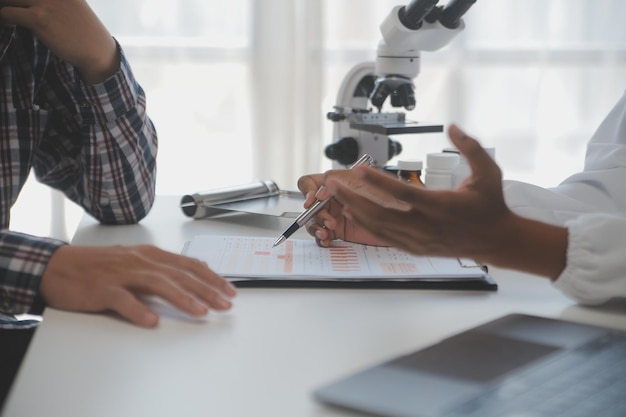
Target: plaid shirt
(94, 143)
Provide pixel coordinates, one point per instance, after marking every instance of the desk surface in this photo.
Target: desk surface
(265, 356)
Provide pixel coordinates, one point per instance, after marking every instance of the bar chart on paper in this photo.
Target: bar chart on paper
(236, 256)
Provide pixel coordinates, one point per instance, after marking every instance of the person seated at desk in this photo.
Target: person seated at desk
(72, 111)
(574, 234)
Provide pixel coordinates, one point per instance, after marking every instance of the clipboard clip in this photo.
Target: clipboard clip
(470, 263)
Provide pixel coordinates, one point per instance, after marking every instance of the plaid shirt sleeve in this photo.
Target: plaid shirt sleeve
(23, 259)
(100, 147)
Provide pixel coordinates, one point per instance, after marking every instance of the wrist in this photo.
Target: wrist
(102, 65)
(530, 246)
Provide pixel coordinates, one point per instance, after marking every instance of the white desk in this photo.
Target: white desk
(261, 359)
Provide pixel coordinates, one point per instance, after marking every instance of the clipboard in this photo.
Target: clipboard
(252, 262)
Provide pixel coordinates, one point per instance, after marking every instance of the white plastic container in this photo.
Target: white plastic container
(463, 169)
(439, 170)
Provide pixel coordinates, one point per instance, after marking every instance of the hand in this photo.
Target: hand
(329, 223)
(447, 223)
(472, 221)
(71, 30)
(97, 279)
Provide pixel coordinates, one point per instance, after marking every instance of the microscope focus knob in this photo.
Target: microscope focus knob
(395, 148)
(345, 151)
(334, 116)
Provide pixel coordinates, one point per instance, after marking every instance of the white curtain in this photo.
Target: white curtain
(239, 89)
(287, 91)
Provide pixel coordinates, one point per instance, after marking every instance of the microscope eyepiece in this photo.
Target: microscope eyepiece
(452, 13)
(413, 13)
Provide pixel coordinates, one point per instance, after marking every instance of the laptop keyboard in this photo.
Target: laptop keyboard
(587, 382)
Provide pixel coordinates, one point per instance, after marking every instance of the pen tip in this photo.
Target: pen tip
(278, 241)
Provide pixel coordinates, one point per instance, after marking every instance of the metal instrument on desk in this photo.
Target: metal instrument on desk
(198, 205)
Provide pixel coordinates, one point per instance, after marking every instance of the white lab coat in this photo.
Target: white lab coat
(592, 205)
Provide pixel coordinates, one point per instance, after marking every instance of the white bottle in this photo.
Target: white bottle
(463, 169)
(439, 170)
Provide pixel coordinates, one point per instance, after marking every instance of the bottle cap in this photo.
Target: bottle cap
(410, 164)
(443, 160)
(392, 169)
(490, 150)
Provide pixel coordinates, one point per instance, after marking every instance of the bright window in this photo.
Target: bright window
(531, 78)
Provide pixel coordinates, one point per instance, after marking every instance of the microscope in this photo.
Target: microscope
(419, 26)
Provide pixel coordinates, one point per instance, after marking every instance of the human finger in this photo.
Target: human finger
(316, 228)
(386, 188)
(308, 186)
(362, 210)
(187, 264)
(323, 235)
(197, 288)
(191, 266)
(353, 200)
(17, 3)
(131, 308)
(167, 286)
(15, 15)
(406, 229)
(170, 278)
(481, 163)
(316, 183)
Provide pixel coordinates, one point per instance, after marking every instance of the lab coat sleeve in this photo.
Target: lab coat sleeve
(596, 263)
(599, 188)
(543, 204)
(592, 205)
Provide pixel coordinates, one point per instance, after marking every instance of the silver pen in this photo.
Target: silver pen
(307, 214)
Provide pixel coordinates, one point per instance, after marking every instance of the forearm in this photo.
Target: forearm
(104, 63)
(104, 159)
(530, 246)
(120, 155)
(119, 182)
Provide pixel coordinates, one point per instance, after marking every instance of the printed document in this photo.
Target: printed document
(254, 258)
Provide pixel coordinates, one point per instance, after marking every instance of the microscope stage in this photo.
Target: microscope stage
(396, 127)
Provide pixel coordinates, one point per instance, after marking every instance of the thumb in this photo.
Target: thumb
(480, 161)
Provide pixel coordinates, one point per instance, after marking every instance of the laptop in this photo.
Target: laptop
(515, 366)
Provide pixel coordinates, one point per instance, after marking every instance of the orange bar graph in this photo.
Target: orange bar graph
(288, 268)
(344, 259)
